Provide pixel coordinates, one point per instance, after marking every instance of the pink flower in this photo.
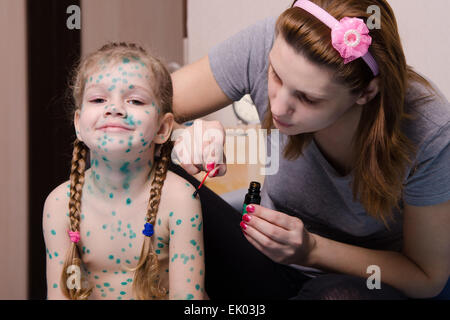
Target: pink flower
(350, 37)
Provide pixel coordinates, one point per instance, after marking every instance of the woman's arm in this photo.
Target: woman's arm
(420, 271)
(196, 92)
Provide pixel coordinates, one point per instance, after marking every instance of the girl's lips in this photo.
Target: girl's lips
(282, 124)
(114, 128)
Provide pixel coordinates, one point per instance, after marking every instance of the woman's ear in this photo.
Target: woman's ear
(76, 122)
(165, 129)
(370, 92)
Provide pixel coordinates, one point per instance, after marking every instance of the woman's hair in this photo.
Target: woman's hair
(146, 282)
(382, 151)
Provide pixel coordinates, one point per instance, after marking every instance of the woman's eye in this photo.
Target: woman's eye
(305, 99)
(135, 102)
(275, 75)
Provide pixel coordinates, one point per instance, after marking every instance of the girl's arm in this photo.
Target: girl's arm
(55, 226)
(186, 250)
(420, 271)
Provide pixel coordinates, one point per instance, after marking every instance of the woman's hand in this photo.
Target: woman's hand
(279, 236)
(200, 147)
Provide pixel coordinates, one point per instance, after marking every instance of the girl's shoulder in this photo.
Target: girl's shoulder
(177, 195)
(59, 196)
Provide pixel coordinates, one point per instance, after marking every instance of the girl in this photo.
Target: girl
(123, 101)
(364, 172)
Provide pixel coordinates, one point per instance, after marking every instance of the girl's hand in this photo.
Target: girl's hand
(279, 236)
(200, 147)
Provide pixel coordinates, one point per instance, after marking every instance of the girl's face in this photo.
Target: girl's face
(303, 96)
(119, 114)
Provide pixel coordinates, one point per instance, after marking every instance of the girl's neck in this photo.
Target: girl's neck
(116, 179)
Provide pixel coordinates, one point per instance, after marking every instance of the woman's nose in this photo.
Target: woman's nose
(282, 104)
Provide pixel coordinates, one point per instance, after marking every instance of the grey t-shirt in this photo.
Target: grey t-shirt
(309, 187)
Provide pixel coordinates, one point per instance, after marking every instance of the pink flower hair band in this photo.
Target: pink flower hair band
(350, 36)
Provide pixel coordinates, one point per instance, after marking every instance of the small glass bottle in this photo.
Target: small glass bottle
(252, 196)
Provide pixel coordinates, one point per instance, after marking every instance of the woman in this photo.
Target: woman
(364, 171)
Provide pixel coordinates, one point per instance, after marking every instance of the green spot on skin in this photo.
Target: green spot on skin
(193, 242)
(123, 293)
(114, 213)
(190, 297)
(159, 222)
(53, 232)
(118, 261)
(111, 195)
(126, 60)
(128, 201)
(124, 283)
(112, 88)
(104, 226)
(124, 168)
(171, 213)
(55, 286)
(178, 222)
(106, 284)
(131, 87)
(111, 257)
(197, 286)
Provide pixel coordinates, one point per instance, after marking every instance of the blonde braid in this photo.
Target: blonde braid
(146, 274)
(76, 187)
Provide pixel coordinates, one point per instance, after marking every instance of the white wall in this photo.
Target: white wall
(13, 146)
(423, 26)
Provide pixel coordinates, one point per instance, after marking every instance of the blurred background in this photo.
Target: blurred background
(38, 52)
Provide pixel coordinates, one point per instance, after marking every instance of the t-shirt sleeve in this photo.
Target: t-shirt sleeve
(430, 182)
(237, 61)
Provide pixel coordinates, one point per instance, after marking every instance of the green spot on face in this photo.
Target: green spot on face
(106, 284)
(114, 213)
(53, 232)
(111, 257)
(171, 213)
(128, 201)
(190, 297)
(104, 226)
(111, 195)
(123, 293)
(126, 60)
(197, 286)
(178, 222)
(55, 286)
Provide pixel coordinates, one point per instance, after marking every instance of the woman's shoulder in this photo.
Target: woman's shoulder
(430, 114)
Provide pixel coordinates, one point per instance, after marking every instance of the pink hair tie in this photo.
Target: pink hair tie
(74, 236)
(350, 36)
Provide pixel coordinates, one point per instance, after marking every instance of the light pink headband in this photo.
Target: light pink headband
(350, 36)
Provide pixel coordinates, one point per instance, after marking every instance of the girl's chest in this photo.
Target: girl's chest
(111, 241)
